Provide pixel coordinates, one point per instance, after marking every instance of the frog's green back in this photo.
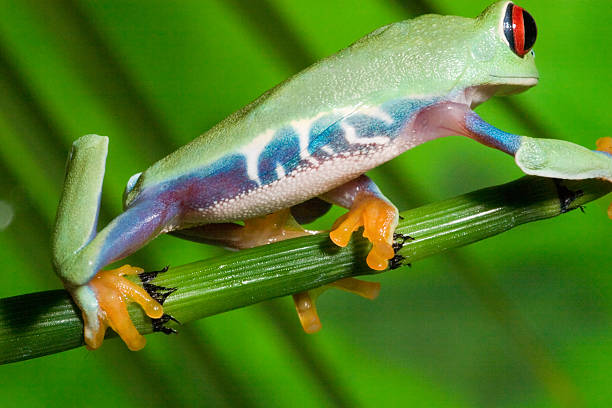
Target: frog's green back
(429, 56)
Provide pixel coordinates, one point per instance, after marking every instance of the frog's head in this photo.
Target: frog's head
(501, 56)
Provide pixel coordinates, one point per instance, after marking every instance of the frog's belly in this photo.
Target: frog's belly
(305, 182)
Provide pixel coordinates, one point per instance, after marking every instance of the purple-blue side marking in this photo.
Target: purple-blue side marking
(332, 138)
(227, 177)
(604, 153)
(158, 206)
(284, 151)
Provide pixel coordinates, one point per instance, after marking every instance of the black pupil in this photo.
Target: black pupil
(508, 30)
(531, 30)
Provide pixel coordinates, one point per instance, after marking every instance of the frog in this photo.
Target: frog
(283, 160)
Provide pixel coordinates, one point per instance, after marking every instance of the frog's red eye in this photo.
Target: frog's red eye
(520, 29)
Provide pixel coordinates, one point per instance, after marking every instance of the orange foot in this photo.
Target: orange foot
(305, 301)
(604, 144)
(378, 218)
(113, 292)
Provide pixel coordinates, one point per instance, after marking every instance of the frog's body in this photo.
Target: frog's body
(282, 167)
(313, 137)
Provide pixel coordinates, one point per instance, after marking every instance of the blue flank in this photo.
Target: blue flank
(227, 177)
(604, 153)
(332, 138)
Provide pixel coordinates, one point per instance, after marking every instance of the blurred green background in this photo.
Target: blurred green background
(523, 319)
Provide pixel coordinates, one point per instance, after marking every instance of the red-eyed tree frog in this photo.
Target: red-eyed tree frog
(302, 146)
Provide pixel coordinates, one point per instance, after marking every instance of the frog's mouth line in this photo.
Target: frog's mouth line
(510, 84)
(518, 80)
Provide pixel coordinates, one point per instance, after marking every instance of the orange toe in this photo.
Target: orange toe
(378, 219)
(305, 301)
(343, 228)
(307, 312)
(113, 293)
(604, 144)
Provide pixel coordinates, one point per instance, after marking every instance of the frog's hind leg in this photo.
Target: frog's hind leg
(79, 252)
(103, 295)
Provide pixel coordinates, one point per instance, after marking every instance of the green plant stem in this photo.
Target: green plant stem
(43, 323)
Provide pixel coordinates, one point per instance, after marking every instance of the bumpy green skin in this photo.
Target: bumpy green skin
(561, 159)
(429, 56)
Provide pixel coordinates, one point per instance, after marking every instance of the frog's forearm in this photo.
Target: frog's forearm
(542, 157)
(489, 135)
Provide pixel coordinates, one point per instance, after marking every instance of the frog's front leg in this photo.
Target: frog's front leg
(79, 253)
(538, 157)
(370, 209)
(545, 157)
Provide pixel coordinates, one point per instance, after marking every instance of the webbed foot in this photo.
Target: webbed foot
(378, 218)
(103, 302)
(305, 301)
